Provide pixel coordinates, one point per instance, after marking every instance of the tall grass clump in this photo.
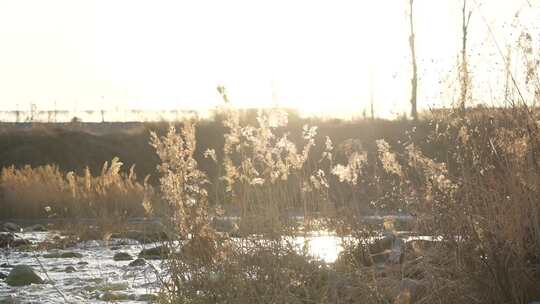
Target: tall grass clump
(274, 193)
(183, 187)
(483, 205)
(264, 171)
(29, 192)
(474, 197)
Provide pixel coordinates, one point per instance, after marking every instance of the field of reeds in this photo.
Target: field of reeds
(475, 203)
(469, 179)
(49, 152)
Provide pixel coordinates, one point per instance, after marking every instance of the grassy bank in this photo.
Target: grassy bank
(477, 200)
(469, 178)
(40, 156)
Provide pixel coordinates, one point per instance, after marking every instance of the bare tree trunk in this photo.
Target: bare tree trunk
(371, 91)
(464, 68)
(55, 112)
(414, 79)
(372, 110)
(17, 114)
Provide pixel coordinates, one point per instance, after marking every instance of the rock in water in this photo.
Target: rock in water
(155, 253)
(64, 255)
(10, 227)
(114, 296)
(70, 269)
(9, 240)
(36, 228)
(22, 275)
(20, 242)
(122, 256)
(70, 254)
(137, 262)
(143, 237)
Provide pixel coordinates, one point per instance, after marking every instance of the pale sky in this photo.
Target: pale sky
(314, 55)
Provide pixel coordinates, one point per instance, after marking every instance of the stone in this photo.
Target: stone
(3, 276)
(155, 253)
(71, 254)
(10, 227)
(9, 240)
(36, 228)
(20, 242)
(22, 275)
(147, 297)
(122, 256)
(116, 296)
(143, 237)
(63, 255)
(137, 262)
(70, 269)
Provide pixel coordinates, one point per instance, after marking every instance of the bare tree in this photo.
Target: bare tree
(17, 114)
(371, 91)
(464, 67)
(55, 112)
(414, 79)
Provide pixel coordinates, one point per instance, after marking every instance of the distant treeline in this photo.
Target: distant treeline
(78, 145)
(40, 157)
(123, 115)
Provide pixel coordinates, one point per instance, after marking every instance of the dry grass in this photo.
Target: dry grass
(45, 191)
(478, 197)
(475, 190)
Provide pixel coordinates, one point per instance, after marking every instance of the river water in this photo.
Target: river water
(98, 278)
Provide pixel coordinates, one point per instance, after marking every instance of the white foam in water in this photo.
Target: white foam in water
(102, 273)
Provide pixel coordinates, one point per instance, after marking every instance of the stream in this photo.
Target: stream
(97, 278)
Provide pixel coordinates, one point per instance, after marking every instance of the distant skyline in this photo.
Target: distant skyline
(313, 55)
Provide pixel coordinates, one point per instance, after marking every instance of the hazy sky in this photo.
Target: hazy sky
(312, 54)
